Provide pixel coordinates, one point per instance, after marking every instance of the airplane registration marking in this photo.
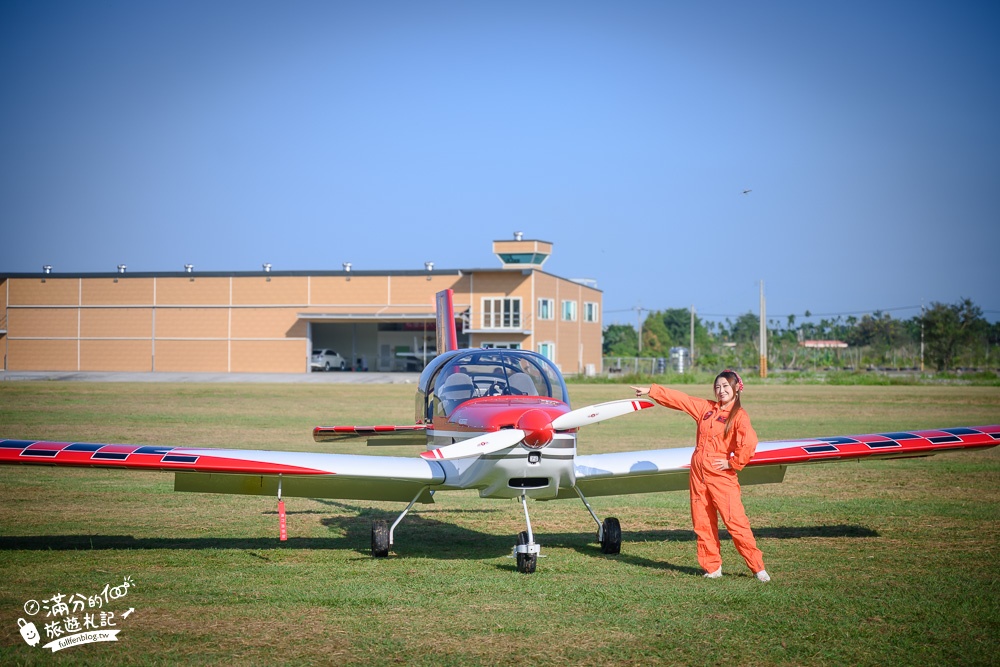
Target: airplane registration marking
(883, 445)
(110, 456)
(83, 447)
(840, 440)
(961, 431)
(941, 439)
(821, 449)
(153, 450)
(15, 444)
(39, 452)
(176, 458)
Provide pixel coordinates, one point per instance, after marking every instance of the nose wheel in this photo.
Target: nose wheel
(526, 561)
(526, 551)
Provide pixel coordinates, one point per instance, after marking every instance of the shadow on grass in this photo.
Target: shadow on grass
(417, 537)
(771, 533)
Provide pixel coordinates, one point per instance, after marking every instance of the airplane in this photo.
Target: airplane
(495, 420)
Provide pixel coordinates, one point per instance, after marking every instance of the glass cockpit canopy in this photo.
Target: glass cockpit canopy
(465, 374)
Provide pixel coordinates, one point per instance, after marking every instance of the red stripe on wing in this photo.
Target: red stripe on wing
(896, 444)
(140, 457)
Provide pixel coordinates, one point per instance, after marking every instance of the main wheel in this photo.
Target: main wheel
(612, 531)
(380, 539)
(326, 367)
(343, 365)
(526, 563)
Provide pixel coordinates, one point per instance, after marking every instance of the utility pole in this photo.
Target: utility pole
(763, 333)
(638, 315)
(921, 337)
(691, 351)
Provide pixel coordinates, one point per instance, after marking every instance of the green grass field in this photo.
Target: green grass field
(873, 563)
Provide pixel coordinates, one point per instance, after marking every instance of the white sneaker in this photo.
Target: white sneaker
(762, 577)
(713, 575)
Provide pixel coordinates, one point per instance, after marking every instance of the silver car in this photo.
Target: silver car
(325, 360)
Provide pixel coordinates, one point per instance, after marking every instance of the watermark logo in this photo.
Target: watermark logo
(76, 619)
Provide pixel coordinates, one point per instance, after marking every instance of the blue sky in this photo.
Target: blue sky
(307, 134)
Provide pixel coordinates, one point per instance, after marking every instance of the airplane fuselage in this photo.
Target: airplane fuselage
(538, 472)
(537, 466)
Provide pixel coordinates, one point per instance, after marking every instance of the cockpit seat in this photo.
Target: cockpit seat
(455, 390)
(521, 384)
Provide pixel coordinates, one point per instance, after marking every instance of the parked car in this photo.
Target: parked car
(324, 360)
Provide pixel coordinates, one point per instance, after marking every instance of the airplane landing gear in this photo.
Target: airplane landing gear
(380, 539)
(526, 551)
(610, 536)
(609, 531)
(382, 533)
(526, 562)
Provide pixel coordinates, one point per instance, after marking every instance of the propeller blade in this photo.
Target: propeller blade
(484, 444)
(599, 412)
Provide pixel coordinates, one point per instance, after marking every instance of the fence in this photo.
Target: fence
(635, 366)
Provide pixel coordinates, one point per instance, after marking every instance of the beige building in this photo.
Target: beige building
(269, 321)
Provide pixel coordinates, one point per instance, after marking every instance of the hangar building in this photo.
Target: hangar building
(270, 321)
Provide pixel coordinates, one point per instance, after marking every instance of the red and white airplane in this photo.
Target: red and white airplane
(495, 420)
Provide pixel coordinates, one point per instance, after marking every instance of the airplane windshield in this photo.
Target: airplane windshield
(492, 372)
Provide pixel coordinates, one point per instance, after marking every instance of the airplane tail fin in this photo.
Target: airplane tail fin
(447, 336)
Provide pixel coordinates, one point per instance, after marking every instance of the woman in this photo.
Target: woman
(725, 443)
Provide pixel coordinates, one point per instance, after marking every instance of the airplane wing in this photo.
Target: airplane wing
(247, 472)
(667, 469)
(413, 434)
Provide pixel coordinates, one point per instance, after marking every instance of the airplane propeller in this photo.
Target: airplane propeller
(598, 413)
(491, 442)
(535, 430)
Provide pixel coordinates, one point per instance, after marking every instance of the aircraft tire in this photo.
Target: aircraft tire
(612, 542)
(380, 539)
(526, 563)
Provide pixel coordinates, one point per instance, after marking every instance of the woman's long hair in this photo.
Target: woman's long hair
(734, 381)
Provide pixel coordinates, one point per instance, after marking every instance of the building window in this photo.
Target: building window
(569, 311)
(589, 311)
(547, 350)
(546, 309)
(502, 346)
(502, 313)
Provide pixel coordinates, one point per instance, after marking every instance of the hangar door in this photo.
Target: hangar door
(383, 344)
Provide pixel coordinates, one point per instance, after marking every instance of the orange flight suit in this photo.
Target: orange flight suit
(715, 492)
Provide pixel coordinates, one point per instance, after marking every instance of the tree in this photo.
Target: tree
(656, 340)
(949, 327)
(677, 322)
(620, 340)
(746, 329)
(878, 330)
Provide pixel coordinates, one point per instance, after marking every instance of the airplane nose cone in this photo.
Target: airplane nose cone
(538, 428)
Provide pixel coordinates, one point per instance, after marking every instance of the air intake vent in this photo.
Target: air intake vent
(528, 482)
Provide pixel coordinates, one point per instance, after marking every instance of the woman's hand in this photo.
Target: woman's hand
(639, 391)
(721, 464)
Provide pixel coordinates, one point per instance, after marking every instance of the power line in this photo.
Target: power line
(797, 315)
(852, 312)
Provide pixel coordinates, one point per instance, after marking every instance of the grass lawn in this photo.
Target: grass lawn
(873, 563)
